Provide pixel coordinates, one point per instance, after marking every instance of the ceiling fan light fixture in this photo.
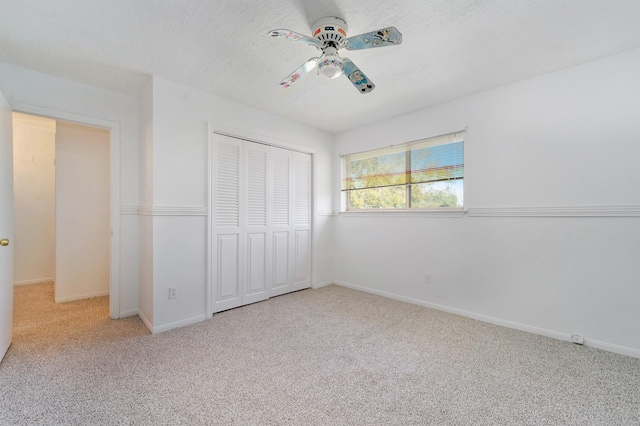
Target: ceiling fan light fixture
(330, 66)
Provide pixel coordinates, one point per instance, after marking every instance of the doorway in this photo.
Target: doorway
(62, 206)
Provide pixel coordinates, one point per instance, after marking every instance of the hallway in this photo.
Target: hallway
(39, 323)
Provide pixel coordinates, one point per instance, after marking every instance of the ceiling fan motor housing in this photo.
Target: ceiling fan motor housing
(331, 31)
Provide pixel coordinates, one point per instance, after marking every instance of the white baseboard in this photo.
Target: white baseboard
(34, 281)
(146, 321)
(81, 296)
(610, 347)
(177, 324)
(171, 325)
(320, 285)
(581, 211)
(129, 313)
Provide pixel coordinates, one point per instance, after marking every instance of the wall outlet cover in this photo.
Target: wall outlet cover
(577, 339)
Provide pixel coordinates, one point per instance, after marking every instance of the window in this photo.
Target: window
(425, 174)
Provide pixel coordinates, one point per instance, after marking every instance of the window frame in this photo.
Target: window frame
(408, 148)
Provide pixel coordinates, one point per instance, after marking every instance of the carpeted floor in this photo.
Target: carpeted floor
(332, 356)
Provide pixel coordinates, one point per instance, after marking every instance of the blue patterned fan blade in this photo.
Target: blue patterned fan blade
(356, 77)
(389, 36)
(290, 35)
(299, 73)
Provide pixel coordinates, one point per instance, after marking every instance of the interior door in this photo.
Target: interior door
(83, 216)
(6, 226)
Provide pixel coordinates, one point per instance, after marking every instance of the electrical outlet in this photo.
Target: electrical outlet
(341, 263)
(577, 339)
(427, 278)
(173, 293)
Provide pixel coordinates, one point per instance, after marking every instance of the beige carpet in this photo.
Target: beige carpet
(332, 356)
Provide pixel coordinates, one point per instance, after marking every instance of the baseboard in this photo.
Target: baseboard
(146, 321)
(582, 211)
(34, 281)
(320, 285)
(610, 347)
(177, 324)
(622, 350)
(81, 296)
(129, 313)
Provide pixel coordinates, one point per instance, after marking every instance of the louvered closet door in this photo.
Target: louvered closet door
(255, 232)
(226, 265)
(261, 224)
(291, 221)
(281, 221)
(301, 228)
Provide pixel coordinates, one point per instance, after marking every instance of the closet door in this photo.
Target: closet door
(261, 222)
(301, 229)
(281, 220)
(291, 221)
(226, 266)
(255, 228)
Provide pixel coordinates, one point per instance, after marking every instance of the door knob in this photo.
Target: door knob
(4, 242)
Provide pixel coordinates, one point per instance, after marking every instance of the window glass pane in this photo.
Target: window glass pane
(429, 171)
(438, 162)
(372, 172)
(437, 194)
(390, 197)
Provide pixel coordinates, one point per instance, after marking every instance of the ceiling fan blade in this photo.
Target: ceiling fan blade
(299, 73)
(290, 35)
(357, 77)
(385, 37)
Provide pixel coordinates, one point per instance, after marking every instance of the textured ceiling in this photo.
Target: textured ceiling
(450, 49)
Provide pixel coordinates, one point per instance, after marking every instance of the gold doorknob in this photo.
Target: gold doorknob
(4, 242)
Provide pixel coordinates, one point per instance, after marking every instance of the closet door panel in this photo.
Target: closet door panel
(302, 260)
(302, 190)
(281, 218)
(255, 226)
(228, 279)
(226, 259)
(301, 229)
(256, 288)
(280, 281)
(227, 183)
(281, 190)
(256, 175)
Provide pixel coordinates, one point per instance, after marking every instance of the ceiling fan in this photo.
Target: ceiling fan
(329, 36)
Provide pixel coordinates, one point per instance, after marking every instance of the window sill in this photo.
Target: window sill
(450, 213)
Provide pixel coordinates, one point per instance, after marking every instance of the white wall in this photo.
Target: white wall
(34, 198)
(146, 201)
(82, 212)
(180, 175)
(563, 143)
(26, 88)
